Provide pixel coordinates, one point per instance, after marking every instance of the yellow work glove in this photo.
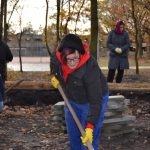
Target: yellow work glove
(54, 81)
(88, 136)
(118, 50)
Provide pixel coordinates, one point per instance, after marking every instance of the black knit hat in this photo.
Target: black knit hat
(71, 41)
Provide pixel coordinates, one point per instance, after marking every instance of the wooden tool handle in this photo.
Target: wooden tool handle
(89, 145)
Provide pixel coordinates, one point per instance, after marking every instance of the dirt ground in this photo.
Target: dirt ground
(31, 128)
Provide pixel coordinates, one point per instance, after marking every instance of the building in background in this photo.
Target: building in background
(31, 44)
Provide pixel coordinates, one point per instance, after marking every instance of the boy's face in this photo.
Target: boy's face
(73, 60)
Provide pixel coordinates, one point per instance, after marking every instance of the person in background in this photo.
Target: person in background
(5, 57)
(85, 87)
(118, 43)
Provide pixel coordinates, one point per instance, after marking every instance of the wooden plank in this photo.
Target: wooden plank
(30, 85)
(129, 87)
(112, 87)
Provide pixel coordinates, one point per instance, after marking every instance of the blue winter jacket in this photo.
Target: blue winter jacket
(118, 41)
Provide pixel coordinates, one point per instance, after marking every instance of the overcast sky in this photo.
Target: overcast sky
(34, 12)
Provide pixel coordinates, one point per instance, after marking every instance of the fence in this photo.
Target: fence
(40, 51)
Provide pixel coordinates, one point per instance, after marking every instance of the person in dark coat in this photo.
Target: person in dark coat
(85, 87)
(5, 57)
(118, 43)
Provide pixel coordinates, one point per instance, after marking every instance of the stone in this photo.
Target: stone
(116, 98)
(120, 120)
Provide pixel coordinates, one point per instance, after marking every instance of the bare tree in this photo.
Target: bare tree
(5, 22)
(19, 38)
(78, 14)
(45, 30)
(94, 28)
(11, 13)
(68, 18)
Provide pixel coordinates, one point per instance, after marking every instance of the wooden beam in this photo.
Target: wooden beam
(47, 85)
(30, 85)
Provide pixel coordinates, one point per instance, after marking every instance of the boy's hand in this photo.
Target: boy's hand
(88, 136)
(54, 81)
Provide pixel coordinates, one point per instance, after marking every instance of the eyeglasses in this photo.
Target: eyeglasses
(75, 59)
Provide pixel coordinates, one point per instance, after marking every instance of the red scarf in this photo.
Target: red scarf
(83, 59)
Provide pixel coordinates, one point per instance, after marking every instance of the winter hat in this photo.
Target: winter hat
(71, 41)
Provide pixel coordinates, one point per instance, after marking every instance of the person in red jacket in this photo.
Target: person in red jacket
(85, 87)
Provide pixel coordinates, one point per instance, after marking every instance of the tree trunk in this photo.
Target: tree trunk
(94, 28)
(58, 21)
(1, 19)
(136, 36)
(140, 43)
(19, 43)
(5, 22)
(45, 30)
(4, 26)
(148, 48)
(68, 19)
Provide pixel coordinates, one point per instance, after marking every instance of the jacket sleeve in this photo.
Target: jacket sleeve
(9, 56)
(54, 65)
(94, 92)
(109, 43)
(126, 45)
(55, 68)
